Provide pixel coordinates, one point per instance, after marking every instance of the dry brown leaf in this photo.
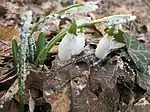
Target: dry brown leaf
(3, 10)
(80, 1)
(31, 103)
(13, 8)
(37, 10)
(7, 33)
(122, 10)
(59, 102)
(2, 1)
(10, 93)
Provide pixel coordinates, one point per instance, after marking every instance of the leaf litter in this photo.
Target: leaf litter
(100, 85)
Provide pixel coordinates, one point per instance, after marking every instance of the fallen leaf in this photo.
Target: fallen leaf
(7, 33)
(60, 102)
(31, 103)
(10, 93)
(122, 10)
(3, 10)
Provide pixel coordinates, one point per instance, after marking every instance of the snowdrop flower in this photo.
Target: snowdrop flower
(103, 47)
(106, 45)
(70, 45)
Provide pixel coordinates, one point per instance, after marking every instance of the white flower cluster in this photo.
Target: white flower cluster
(73, 44)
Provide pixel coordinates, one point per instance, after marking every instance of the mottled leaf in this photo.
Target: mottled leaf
(137, 52)
(143, 79)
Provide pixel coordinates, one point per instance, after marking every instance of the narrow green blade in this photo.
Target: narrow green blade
(40, 43)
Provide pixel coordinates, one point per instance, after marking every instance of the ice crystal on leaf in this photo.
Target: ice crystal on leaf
(119, 19)
(85, 8)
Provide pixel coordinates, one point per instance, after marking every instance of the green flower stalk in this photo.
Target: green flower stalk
(113, 20)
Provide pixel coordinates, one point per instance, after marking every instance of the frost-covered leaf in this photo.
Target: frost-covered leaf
(138, 53)
(111, 20)
(85, 8)
(22, 55)
(83, 20)
(70, 45)
(119, 19)
(106, 45)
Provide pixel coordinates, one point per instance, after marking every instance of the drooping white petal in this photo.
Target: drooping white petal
(78, 44)
(103, 47)
(106, 45)
(70, 45)
(65, 47)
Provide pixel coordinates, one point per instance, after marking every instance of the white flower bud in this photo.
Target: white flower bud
(70, 45)
(78, 44)
(105, 45)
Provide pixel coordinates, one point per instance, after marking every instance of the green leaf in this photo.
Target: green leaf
(119, 36)
(40, 43)
(42, 55)
(14, 51)
(73, 28)
(137, 52)
(143, 79)
(110, 31)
